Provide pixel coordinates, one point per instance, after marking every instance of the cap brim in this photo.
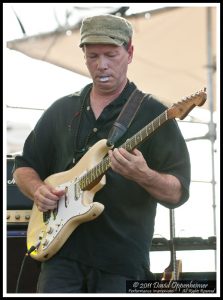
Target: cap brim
(100, 39)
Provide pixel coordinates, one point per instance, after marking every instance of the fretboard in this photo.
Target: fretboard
(130, 144)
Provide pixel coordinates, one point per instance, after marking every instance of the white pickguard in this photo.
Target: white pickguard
(69, 206)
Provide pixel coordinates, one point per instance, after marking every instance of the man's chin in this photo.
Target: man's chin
(105, 86)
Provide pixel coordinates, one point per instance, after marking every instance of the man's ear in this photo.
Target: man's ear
(130, 53)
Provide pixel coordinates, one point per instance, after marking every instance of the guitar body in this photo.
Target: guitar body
(169, 274)
(74, 208)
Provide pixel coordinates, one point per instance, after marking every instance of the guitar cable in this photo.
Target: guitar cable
(31, 249)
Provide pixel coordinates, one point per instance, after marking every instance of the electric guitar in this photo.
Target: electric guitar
(170, 274)
(173, 271)
(48, 231)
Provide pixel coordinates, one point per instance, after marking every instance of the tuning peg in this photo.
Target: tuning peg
(202, 90)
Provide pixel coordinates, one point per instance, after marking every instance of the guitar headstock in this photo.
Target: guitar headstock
(181, 109)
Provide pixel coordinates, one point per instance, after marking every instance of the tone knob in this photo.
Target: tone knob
(45, 242)
(49, 230)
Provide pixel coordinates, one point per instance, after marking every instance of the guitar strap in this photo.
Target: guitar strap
(125, 117)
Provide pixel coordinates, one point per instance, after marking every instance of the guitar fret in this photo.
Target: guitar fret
(128, 145)
(104, 168)
(97, 170)
(106, 163)
(147, 130)
(136, 140)
(164, 116)
(143, 134)
(81, 182)
(131, 143)
(91, 175)
(100, 168)
(155, 124)
(85, 181)
(88, 177)
(139, 136)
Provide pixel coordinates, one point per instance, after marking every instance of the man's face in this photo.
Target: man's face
(107, 65)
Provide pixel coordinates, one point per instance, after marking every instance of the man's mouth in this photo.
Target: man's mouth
(103, 78)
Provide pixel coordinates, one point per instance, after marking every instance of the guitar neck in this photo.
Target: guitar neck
(144, 133)
(96, 172)
(172, 244)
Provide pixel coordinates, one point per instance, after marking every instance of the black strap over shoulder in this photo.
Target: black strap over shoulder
(85, 90)
(125, 117)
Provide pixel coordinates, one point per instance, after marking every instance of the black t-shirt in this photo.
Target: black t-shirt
(119, 240)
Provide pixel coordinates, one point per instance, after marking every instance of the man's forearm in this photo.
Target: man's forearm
(164, 187)
(27, 180)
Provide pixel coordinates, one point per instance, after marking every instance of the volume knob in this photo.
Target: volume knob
(49, 230)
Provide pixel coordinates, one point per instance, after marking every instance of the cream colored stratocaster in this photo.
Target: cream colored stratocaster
(48, 231)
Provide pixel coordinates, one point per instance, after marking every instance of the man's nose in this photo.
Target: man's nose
(102, 63)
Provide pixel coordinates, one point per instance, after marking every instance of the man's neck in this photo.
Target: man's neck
(100, 100)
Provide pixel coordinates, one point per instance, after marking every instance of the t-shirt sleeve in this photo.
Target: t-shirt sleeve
(38, 147)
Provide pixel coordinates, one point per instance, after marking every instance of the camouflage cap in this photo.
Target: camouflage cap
(105, 29)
